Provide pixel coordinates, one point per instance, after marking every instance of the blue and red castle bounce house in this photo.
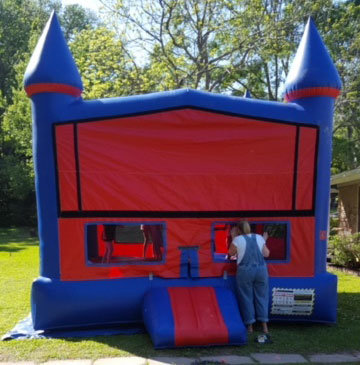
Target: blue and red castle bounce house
(166, 175)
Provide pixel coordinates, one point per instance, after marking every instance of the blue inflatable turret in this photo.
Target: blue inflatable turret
(53, 82)
(312, 72)
(52, 68)
(247, 94)
(314, 83)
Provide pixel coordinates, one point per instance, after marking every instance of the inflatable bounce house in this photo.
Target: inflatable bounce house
(136, 196)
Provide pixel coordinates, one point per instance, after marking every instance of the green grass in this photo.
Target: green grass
(19, 262)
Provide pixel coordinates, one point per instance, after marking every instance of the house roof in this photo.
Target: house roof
(346, 177)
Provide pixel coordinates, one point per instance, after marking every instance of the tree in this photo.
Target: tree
(218, 45)
(17, 198)
(22, 19)
(343, 39)
(74, 18)
(103, 63)
(275, 28)
(192, 41)
(18, 20)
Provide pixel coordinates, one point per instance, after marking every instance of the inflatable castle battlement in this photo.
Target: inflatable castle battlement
(168, 174)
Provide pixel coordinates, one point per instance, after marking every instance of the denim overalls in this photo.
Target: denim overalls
(253, 283)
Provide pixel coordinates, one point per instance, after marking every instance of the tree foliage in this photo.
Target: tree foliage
(74, 18)
(192, 41)
(217, 45)
(18, 20)
(343, 39)
(104, 65)
(21, 22)
(17, 197)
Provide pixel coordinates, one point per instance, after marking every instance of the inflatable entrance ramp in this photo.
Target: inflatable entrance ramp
(193, 316)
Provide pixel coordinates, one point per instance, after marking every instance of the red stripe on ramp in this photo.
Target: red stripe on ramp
(197, 316)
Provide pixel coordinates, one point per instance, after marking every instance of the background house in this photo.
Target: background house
(347, 185)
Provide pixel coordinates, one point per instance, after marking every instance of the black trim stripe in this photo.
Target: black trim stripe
(156, 111)
(77, 163)
(296, 160)
(186, 214)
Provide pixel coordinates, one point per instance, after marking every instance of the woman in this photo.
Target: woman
(251, 276)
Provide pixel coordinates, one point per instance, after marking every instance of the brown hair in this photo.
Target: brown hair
(244, 227)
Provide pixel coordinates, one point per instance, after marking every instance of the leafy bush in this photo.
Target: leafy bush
(334, 225)
(345, 250)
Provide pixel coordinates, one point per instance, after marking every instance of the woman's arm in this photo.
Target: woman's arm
(265, 251)
(232, 250)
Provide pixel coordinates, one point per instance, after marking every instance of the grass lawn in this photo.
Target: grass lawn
(19, 263)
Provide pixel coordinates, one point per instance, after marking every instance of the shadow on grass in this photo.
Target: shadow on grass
(141, 345)
(16, 239)
(288, 337)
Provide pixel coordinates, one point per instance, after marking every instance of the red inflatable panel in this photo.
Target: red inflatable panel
(197, 316)
(75, 266)
(277, 247)
(66, 167)
(302, 250)
(181, 232)
(306, 168)
(165, 162)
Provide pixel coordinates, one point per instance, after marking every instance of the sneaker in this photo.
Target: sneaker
(264, 338)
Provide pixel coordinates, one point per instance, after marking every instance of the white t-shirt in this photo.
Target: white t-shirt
(240, 244)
